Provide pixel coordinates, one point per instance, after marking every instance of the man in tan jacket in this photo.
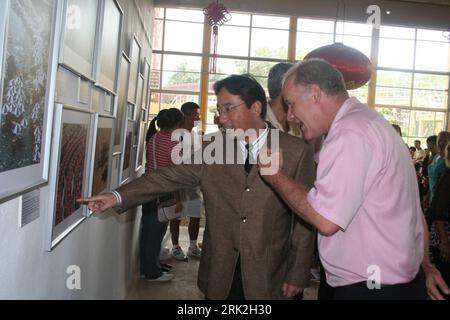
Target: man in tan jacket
(253, 248)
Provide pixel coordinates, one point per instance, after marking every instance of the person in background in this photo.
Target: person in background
(192, 203)
(159, 147)
(440, 229)
(362, 162)
(419, 155)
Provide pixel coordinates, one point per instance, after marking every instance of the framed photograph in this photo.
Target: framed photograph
(146, 98)
(127, 152)
(27, 91)
(122, 105)
(70, 176)
(140, 93)
(141, 141)
(135, 56)
(4, 9)
(78, 37)
(108, 45)
(103, 155)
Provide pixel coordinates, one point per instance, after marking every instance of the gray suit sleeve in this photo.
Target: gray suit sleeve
(158, 183)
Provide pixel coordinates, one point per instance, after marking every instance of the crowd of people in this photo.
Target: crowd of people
(340, 184)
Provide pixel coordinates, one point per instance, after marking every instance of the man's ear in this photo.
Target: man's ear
(315, 92)
(257, 107)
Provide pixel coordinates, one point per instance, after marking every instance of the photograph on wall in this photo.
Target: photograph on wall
(3, 17)
(146, 97)
(109, 48)
(71, 169)
(122, 99)
(23, 104)
(127, 151)
(70, 177)
(141, 142)
(103, 152)
(135, 57)
(77, 52)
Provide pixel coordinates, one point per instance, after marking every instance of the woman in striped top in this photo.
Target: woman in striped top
(159, 148)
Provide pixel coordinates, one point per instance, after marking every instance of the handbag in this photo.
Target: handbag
(166, 209)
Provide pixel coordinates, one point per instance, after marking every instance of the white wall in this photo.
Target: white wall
(104, 246)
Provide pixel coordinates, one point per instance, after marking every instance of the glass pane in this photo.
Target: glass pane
(396, 116)
(360, 93)
(430, 99)
(356, 29)
(231, 66)
(186, 81)
(239, 19)
(432, 56)
(307, 42)
(263, 82)
(430, 81)
(433, 35)
(183, 36)
(393, 96)
(396, 53)
(159, 13)
(397, 32)
(233, 41)
(185, 15)
(394, 79)
(211, 108)
(176, 100)
(313, 25)
(156, 61)
(213, 78)
(270, 22)
(439, 122)
(422, 124)
(157, 34)
(154, 103)
(277, 47)
(261, 68)
(182, 63)
(362, 44)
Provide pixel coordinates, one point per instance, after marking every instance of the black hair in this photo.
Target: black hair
(246, 87)
(189, 107)
(166, 119)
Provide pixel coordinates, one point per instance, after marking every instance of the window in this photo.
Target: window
(412, 74)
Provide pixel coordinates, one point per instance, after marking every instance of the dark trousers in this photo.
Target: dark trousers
(152, 233)
(237, 291)
(414, 290)
(326, 291)
(442, 266)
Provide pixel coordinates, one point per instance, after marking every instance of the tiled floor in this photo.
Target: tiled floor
(184, 285)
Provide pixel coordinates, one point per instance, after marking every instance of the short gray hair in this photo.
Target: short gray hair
(319, 72)
(275, 78)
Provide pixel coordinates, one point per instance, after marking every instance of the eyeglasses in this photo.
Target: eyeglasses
(228, 109)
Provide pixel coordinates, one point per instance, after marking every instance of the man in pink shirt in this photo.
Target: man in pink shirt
(365, 201)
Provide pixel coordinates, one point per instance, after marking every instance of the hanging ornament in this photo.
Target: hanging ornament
(355, 67)
(217, 15)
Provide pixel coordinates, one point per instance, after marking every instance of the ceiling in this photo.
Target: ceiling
(437, 2)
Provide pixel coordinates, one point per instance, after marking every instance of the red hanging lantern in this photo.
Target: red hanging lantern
(355, 67)
(217, 15)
